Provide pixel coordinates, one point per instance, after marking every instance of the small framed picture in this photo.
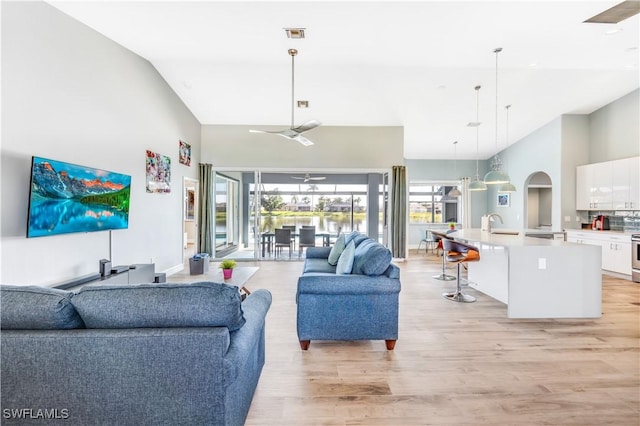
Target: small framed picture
(504, 200)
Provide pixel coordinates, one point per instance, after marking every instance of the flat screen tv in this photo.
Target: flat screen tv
(66, 198)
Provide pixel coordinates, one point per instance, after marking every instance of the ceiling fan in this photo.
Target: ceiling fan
(294, 133)
(307, 177)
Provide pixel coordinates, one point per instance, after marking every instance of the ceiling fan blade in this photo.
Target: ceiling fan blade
(309, 125)
(318, 178)
(304, 141)
(298, 177)
(265, 131)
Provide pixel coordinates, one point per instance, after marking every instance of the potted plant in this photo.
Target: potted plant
(452, 226)
(227, 266)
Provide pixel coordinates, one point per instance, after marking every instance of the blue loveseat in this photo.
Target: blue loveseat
(156, 354)
(359, 305)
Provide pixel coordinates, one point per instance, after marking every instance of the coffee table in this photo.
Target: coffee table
(239, 278)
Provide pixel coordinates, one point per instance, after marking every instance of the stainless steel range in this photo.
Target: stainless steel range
(635, 258)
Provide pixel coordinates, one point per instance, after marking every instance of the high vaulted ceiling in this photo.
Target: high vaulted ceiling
(413, 64)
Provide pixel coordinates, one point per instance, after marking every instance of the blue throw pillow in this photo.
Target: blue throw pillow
(337, 250)
(37, 308)
(345, 263)
(375, 262)
(202, 304)
(349, 237)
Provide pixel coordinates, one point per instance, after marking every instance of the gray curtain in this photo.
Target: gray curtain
(399, 212)
(206, 210)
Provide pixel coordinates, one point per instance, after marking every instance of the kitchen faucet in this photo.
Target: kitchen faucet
(490, 219)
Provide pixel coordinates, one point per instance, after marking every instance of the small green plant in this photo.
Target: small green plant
(228, 264)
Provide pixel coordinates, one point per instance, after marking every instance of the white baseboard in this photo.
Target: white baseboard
(174, 269)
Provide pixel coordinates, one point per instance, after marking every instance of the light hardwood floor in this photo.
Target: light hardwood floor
(453, 364)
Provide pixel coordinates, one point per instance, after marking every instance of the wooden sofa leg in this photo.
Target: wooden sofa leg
(390, 344)
(304, 344)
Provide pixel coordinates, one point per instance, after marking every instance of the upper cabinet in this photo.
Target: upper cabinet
(611, 185)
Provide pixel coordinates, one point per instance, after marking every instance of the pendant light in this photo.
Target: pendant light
(507, 187)
(477, 184)
(455, 192)
(496, 176)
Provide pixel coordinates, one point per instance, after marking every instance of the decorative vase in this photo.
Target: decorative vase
(227, 273)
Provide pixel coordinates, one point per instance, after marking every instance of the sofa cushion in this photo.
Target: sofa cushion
(200, 304)
(37, 308)
(345, 263)
(318, 265)
(371, 258)
(337, 250)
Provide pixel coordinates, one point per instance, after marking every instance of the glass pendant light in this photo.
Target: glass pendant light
(455, 192)
(507, 187)
(477, 184)
(496, 176)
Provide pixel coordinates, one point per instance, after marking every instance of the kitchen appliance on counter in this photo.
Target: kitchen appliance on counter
(635, 258)
(600, 223)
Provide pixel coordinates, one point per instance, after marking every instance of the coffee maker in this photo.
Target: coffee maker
(600, 223)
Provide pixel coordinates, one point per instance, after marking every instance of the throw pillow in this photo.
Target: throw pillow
(336, 250)
(349, 237)
(37, 308)
(345, 263)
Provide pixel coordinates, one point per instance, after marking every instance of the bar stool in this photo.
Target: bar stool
(440, 237)
(460, 253)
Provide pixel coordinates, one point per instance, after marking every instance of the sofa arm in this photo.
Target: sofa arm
(318, 252)
(346, 284)
(243, 340)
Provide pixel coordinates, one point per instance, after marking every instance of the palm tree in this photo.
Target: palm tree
(313, 188)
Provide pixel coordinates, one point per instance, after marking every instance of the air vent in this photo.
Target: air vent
(295, 32)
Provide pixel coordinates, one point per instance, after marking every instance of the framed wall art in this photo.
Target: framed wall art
(184, 153)
(504, 200)
(158, 173)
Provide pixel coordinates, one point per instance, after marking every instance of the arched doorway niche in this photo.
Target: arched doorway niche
(538, 201)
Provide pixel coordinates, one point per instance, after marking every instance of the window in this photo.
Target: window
(429, 203)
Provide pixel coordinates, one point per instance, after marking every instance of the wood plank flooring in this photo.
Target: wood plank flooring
(453, 364)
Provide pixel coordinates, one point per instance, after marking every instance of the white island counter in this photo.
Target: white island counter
(536, 278)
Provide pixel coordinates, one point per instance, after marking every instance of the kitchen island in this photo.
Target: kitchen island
(536, 278)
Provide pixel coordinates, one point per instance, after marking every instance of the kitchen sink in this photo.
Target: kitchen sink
(504, 232)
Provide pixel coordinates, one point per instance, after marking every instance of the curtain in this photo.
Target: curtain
(399, 212)
(206, 210)
(466, 204)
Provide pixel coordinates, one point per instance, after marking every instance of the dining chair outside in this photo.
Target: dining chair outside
(293, 231)
(307, 239)
(283, 239)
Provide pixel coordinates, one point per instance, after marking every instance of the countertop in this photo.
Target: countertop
(520, 240)
(605, 232)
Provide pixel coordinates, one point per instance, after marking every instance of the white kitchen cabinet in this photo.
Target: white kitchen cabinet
(616, 255)
(611, 185)
(634, 186)
(593, 186)
(616, 249)
(626, 184)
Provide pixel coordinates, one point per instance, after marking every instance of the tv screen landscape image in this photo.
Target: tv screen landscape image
(66, 198)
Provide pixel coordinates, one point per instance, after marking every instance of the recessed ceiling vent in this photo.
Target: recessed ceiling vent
(617, 13)
(294, 32)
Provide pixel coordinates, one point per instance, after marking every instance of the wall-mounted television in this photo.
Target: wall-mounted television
(66, 198)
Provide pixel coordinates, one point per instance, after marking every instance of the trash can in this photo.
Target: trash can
(199, 264)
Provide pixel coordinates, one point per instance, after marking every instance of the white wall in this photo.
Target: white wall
(70, 94)
(615, 129)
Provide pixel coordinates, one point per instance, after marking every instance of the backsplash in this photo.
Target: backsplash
(627, 221)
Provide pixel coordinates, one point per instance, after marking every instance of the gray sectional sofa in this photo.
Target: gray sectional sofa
(358, 301)
(150, 354)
